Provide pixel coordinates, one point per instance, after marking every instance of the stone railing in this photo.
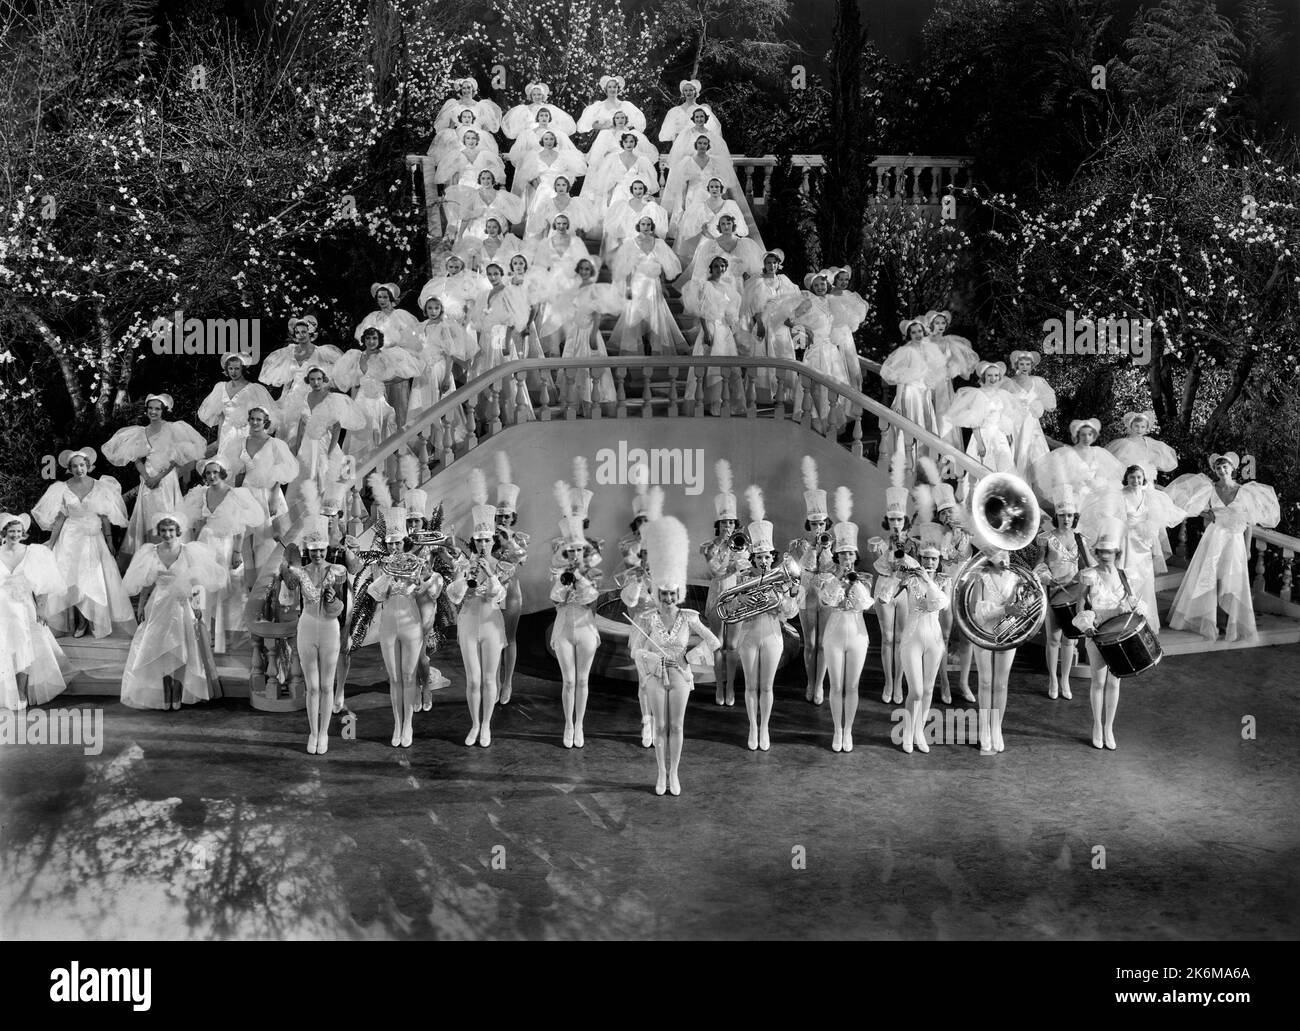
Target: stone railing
(1285, 549)
(649, 388)
(917, 179)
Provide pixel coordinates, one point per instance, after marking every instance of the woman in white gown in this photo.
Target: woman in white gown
(580, 310)
(771, 335)
(688, 183)
(913, 369)
(959, 355)
(486, 113)
(398, 329)
(678, 118)
(559, 248)
(1036, 398)
(80, 513)
(1096, 475)
(461, 166)
(1147, 512)
(316, 428)
(848, 312)
(716, 303)
(992, 415)
(1218, 576)
(226, 406)
(447, 139)
(158, 451)
(536, 174)
(495, 245)
(455, 286)
(600, 115)
(287, 367)
(32, 664)
(607, 141)
(625, 212)
(517, 120)
(469, 207)
(223, 518)
(498, 321)
(1136, 448)
(446, 346)
(809, 314)
(169, 663)
(641, 266)
(366, 374)
(743, 256)
(616, 168)
(701, 219)
(686, 140)
(263, 465)
(581, 213)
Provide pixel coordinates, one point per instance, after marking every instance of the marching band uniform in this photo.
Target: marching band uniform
(994, 596)
(170, 660)
(637, 590)
(320, 586)
(32, 665)
(814, 560)
(170, 446)
(1218, 576)
(894, 555)
(955, 550)
(511, 547)
(759, 637)
(480, 627)
(80, 538)
(1064, 554)
(725, 567)
(1107, 594)
(400, 579)
(661, 651)
(922, 650)
(843, 597)
(573, 589)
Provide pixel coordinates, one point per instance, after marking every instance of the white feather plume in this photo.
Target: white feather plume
(923, 502)
(408, 469)
(754, 499)
(667, 549)
(562, 496)
(809, 469)
(722, 470)
(654, 508)
(310, 497)
(843, 504)
(379, 491)
(897, 471)
(503, 468)
(580, 472)
(478, 487)
(927, 471)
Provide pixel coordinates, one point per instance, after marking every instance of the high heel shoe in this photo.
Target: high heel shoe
(485, 735)
(311, 744)
(1065, 692)
(661, 784)
(322, 745)
(1110, 740)
(578, 739)
(837, 740)
(471, 738)
(568, 735)
(674, 785)
(919, 740)
(753, 739)
(847, 743)
(764, 742)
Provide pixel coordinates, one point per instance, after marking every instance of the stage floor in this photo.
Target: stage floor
(215, 823)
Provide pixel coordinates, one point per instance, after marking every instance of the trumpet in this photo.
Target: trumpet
(822, 541)
(760, 594)
(738, 541)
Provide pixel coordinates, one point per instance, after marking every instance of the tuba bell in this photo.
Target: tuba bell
(1002, 515)
(760, 594)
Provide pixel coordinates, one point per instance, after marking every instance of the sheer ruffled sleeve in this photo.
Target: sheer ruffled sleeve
(192, 504)
(847, 310)
(41, 571)
(1259, 502)
(143, 570)
(970, 408)
(335, 409)
(1163, 511)
(205, 570)
(962, 358)
(401, 364)
(1056, 467)
(281, 468)
(347, 371)
(1164, 457)
(907, 365)
(213, 407)
(106, 499)
(1191, 492)
(51, 506)
(126, 445)
(184, 443)
(1044, 395)
(277, 370)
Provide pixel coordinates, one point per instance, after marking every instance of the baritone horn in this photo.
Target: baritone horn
(1002, 514)
(760, 594)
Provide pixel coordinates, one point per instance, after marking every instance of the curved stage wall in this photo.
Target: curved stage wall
(761, 451)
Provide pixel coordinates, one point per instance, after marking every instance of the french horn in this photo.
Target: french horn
(1002, 515)
(760, 594)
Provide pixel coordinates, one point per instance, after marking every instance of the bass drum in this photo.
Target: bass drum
(1128, 644)
(1066, 603)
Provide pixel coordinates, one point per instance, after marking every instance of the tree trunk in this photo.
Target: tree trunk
(1190, 387)
(71, 381)
(699, 47)
(1239, 377)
